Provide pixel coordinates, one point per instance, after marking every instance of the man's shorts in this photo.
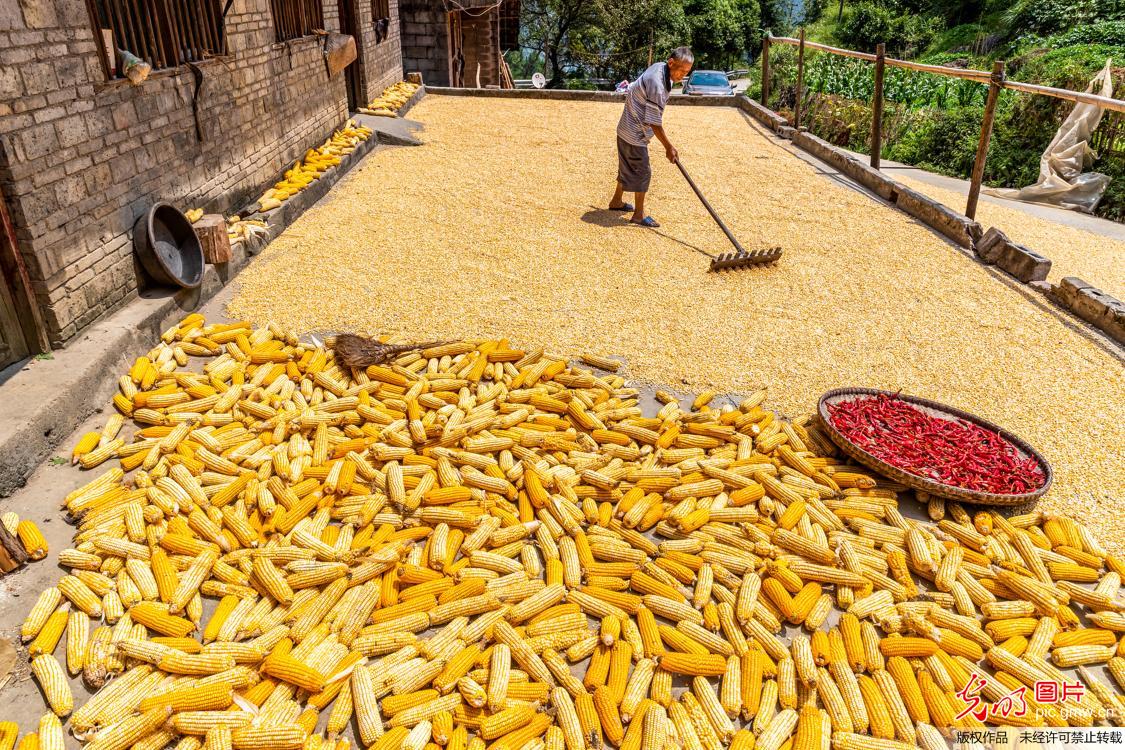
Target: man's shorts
(633, 170)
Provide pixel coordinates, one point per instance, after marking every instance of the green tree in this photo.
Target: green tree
(619, 44)
(775, 18)
(723, 30)
(546, 27)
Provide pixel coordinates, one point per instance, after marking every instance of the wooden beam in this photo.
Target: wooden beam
(800, 80)
(766, 71)
(994, 87)
(877, 107)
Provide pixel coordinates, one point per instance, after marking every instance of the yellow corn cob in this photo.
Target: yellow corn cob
(80, 595)
(283, 737)
(1073, 656)
(808, 733)
(32, 539)
(505, 721)
(48, 637)
(608, 715)
(707, 665)
(46, 604)
(52, 681)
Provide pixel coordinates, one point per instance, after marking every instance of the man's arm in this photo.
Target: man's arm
(669, 150)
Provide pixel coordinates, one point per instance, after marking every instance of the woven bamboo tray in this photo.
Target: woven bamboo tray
(916, 482)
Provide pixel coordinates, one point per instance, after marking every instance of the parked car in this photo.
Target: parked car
(708, 83)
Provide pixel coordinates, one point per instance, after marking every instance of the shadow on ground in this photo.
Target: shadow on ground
(603, 217)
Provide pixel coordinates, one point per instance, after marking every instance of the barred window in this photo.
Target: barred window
(380, 9)
(293, 19)
(163, 33)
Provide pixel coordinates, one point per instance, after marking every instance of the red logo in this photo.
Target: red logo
(1012, 704)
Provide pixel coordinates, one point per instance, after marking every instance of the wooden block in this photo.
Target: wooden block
(7, 564)
(211, 230)
(14, 551)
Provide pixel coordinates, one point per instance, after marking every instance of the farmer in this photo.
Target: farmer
(644, 109)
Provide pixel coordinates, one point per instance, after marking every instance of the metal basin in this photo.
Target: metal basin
(167, 247)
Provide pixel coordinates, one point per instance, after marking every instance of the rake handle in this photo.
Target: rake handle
(707, 205)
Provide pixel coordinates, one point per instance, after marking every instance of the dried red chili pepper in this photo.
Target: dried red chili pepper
(951, 451)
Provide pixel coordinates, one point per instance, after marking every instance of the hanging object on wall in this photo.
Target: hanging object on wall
(339, 52)
(135, 69)
(197, 75)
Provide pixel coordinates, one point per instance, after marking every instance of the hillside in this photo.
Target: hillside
(934, 122)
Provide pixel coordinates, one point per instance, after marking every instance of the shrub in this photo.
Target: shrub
(941, 141)
(1066, 67)
(866, 26)
(1051, 16)
(1105, 32)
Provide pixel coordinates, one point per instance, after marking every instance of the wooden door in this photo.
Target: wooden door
(353, 74)
(13, 346)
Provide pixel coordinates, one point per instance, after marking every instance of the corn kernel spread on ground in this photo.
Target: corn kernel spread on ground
(495, 228)
(1093, 258)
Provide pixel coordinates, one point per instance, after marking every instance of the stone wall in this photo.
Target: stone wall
(425, 40)
(81, 157)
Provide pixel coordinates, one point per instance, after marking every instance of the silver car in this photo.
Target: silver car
(708, 83)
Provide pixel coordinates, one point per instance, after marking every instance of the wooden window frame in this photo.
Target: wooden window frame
(296, 19)
(163, 33)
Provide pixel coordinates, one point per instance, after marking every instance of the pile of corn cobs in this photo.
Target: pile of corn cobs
(482, 547)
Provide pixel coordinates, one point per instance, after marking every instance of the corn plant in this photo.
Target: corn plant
(854, 79)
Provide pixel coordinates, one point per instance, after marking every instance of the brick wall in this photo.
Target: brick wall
(382, 61)
(480, 34)
(425, 40)
(82, 158)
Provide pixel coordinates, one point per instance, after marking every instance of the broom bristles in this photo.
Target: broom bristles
(359, 352)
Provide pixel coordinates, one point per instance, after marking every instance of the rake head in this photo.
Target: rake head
(735, 261)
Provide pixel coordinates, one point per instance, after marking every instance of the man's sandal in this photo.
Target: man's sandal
(647, 221)
(622, 207)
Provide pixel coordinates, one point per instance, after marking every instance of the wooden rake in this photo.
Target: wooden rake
(739, 259)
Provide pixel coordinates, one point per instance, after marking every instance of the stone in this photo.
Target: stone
(10, 15)
(988, 249)
(956, 226)
(38, 14)
(1023, 263)
(1096, 307)
(38, 141)
(871, 178)
(39, 77)
(10, 84)
(71, 131)
(766, 116)
(995, 248)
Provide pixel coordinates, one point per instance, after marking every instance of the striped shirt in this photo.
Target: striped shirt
(644, 105)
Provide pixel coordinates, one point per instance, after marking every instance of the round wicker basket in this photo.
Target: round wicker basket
(934, 488)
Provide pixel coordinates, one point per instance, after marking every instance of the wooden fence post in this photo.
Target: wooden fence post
(877, 107)
(800, 80)
(995, 84)
(766, 70)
